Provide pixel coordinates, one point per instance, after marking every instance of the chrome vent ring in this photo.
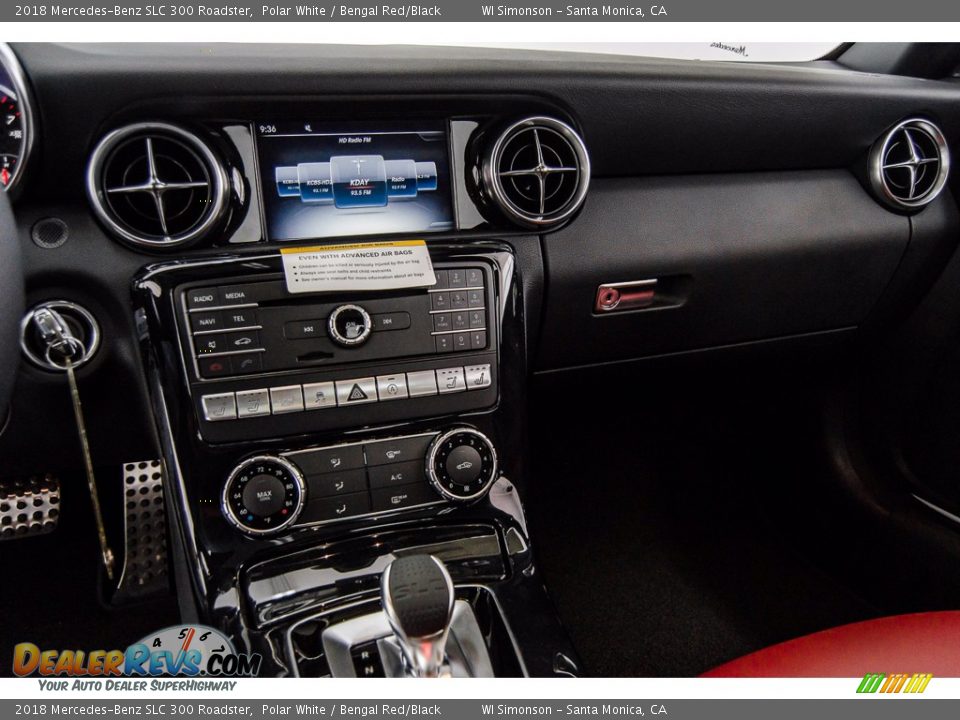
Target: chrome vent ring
(910, 164)
(537, 172)
(157, 185)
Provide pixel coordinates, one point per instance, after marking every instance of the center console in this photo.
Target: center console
(312, 439)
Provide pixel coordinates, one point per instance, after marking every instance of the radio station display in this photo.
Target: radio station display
(324, 181)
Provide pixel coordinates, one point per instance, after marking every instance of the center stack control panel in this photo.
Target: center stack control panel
(262, 362)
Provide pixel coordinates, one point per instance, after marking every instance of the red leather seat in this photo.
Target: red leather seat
(919, 643)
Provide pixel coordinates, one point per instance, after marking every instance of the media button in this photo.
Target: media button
(239, 294)
(319, 395)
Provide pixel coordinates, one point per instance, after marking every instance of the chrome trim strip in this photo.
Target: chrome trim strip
(937, 509)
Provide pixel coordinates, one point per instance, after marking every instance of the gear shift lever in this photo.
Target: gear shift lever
(417, 596)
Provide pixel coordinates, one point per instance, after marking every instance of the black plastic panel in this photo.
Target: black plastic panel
(766, 255)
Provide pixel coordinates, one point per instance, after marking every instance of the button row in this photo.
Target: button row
(458, 278)
(342, 393)
(209, 298)
(456, 300)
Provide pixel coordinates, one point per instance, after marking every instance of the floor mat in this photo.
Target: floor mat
(651, 540)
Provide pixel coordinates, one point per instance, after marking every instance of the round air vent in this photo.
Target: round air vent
(909, 164)
(537, 172)
(156, 185)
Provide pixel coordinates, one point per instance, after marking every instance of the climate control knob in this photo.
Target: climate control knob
(263, 495)
(462, 464)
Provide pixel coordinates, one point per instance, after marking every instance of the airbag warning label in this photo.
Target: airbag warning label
(358, 266)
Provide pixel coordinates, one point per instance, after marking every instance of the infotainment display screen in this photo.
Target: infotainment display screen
(323, 180)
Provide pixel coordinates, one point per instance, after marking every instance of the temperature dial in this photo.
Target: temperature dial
(263, 495)
(462, 464)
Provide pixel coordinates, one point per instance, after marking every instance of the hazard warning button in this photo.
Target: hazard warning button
(356, 391)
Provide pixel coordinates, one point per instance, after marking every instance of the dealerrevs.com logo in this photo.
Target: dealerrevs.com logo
(180, 650)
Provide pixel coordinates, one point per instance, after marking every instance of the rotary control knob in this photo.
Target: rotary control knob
(349, 325)
(462, 464)
(263, 495)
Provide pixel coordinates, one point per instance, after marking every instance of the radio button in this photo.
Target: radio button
(397, 474)
(202, 298)
(474, 277)
(327, 460)
(399, 450)
(357, 391)
(300, 329)
(286, 399)
(450, 380)
(319, 395)
(391, 387)
(421, 383)
(253, 403)
(391, 321)
(338, 483)
(239, 318)
(206, 321)
(477, 376)
(219, 407)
